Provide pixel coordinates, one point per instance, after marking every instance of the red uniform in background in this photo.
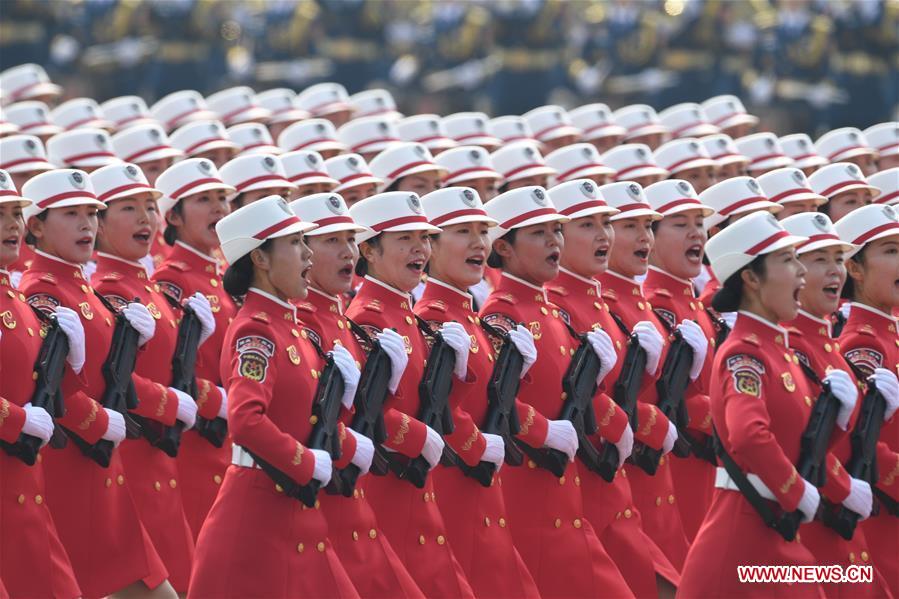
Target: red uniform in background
(256, 541)
(201, 465)
(92, 506)
(476, 514)
(548, 519)
(869, 340)
(33, 562)
(407, 514)
(610, 506)
(363, 548)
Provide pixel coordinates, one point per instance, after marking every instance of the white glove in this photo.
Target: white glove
(888, 386)
(15, 278)
(457, 338)
(321, 471)
(38, 423)
(223, 409)
(670, 438)
(495, 451)
(345, 363)
(845, 309)
(200, 304)
(187, 409)
(696, 339)
(395, 347)
(860, 498)
(652, 342)
(70, 323)
(524, 342)
(139, 317)
(844, 389)
(808, 505)
(729, 318)
(560, 434)
(115, 430)
(625, 445)
(89, 269)
(433, 448)
(365, 452)
(604, 350)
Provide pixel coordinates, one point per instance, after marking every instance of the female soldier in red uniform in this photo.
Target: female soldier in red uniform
(364, 549)
(476, 514)
(870, 343)
(810, 337)
(675, 260)
(194, 200)
(127, 227)
(609, 506)
(92, 507)
(629, 258)
(33, 561)
(394, 252)
(546, 512)
(758, 411)
(257, 541)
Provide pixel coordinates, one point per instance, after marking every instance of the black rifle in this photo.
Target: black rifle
(119, 395)
(671, 387)
(862, 461)
(50, 368)
(368, 419)
(214, 430)
(325, 417)
(839, 321)
(434, 410)
(502, 417)
(723, 330)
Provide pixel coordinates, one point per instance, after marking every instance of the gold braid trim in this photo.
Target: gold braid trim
(607, 417)
(85, 424)
(298, 456)
(529, 421)
(653, 417)
(890, 478)
(160, 409)
(470, 441)
(4, 410)
(784, 488)
(202, 393)
(404, 428)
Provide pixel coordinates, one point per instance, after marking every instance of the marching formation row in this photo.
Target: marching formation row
(413, 357)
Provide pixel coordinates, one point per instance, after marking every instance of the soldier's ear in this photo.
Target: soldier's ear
(260, 259)
(503, 248)
(855, 270)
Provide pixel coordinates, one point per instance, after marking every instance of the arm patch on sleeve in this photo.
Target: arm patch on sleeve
(746, 372)
(865, 359)
(44, 302)
(254, 353)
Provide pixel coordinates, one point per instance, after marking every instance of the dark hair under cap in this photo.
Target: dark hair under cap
(361, 268)
(728, 298)
(239, 276)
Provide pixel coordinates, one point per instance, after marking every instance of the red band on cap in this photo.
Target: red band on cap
(146, 151)
(306, 144)
(244, 184)
(633, 168)
(269, 231)
(115, 190)
(432, 138)
(77, 157)
(355, 176)
(886, 198)
(230, 115)
(671, 167)
(546, 130)
(804, 156)
(565, 176)
(683, 128)
(16, 94)
(7, 165)
(520, 169)
(131, 118)
(361, 145)
(841, 185)
(894, 144)
(8, 192)
(333, 220)
(39, 124)
(720, 120)
(396, 222)
(307, 175)
(80, 122)
(766, 157)
(181, 191)
(679, 202)
(326, 104)
(527, 215)
(395, 174)
(818, 237)
(840, 151)
(472, 135)
(456, 214)
(583, 206)
(170, 124)
(589, 130)
(726, 154)
(768, 241)
(744, 202)
(634, 206)
(47, 202)
(203, 142)
(465, 171)
(790, 192)
(864, 237)
(643, 125)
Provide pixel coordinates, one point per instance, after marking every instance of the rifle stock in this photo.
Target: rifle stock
(625, 393)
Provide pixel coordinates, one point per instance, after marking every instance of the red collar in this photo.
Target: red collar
(657, 278)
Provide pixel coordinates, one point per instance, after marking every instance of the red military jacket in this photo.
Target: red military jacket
(869, 340)
(378, 306)
(271, 370)
(761, 402)
(184, 272)
(122, 281)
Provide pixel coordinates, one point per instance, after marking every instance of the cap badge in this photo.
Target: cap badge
(890, 213)
(753, 186)
(31, 147)
(769, 143)
(77, 180)
(100, 140)
(420, 150)
(799, 177)
(335, 205)
(353, 163)
(633, 190)
(312, 160)
(588, 189)
(284, 207)
(475, 157)
(205, 167)
(820, 222)
(589, 152)
(132, 173)
(853, 171)
(641, 153)
(4, 181)
(684, 187)
(414, 204)
(268, 163)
